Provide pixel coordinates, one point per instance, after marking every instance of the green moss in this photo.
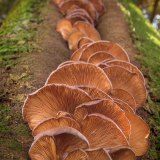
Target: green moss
(5, 120)
(17, 31)
(147, 42)
(11, 144)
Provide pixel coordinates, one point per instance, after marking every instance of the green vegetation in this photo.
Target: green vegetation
(17, 31)
(147, 42)
(17, 38)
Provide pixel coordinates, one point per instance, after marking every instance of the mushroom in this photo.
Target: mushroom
(65, 28)
(77, 154)
(73, 40)
(43, 148)
(112, 48)
(99, 5)
(123, 105)
(76, 17)
(106, 108)
(48, 101)
(65, 63)
(77, 54)
(57, 2)
(122, 154)
(102, 65)
(85, 4)
(99, 57)
(83, 41)
(128, 66)
(80, 154)
(52, 123)
(139, 134)
(95, 93)
(75, 10)
(88, 30)
(100, 154)
(124, 96)
(102, 132)
(81, 74)
(122, 78)
(60, 140)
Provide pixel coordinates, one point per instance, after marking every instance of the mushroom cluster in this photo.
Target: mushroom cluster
(87, 108)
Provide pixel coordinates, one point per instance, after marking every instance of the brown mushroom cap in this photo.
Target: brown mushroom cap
(95, 93)
(57, 2)
(124, 79)
(128, 66)
(65, 28)
(73, 40)
(88, 155)
(80, 11)
(102, 132)
(85, 4)
(66, 140)
(76, 17)
(78, 155)
(65, 63)
(99, 5)
(42, 149)
(102, 65)
(112, 48)
(123, 105)
(98, 155)
(123, 154)
(107, 108)
(48, 101)
(99, 57)
(124, 96)
(83, 41)
(88, 30)
(77, 54)
(52, 123)
(139, 134)
(81, 74)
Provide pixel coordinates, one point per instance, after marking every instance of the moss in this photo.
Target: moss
(11, 144)
(147, 42)
(5, 120)
(17, 31)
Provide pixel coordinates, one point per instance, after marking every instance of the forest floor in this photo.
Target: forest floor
(32, 50)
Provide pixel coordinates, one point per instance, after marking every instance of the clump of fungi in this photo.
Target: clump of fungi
(87, 108)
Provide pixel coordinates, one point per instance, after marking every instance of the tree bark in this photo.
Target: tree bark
(154, 11)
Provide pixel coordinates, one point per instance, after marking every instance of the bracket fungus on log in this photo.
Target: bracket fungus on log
(85, 4)
(87, 108)
(65, 28)
(99, 57)
(83, 41)
(112, 48)
(48, 101)
(81, 74)
(124, 96)
(88, 30)
(106, 108)
(73, 12)
(122, 78)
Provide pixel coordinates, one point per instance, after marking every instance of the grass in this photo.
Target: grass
(17, 31)
(147, 42)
